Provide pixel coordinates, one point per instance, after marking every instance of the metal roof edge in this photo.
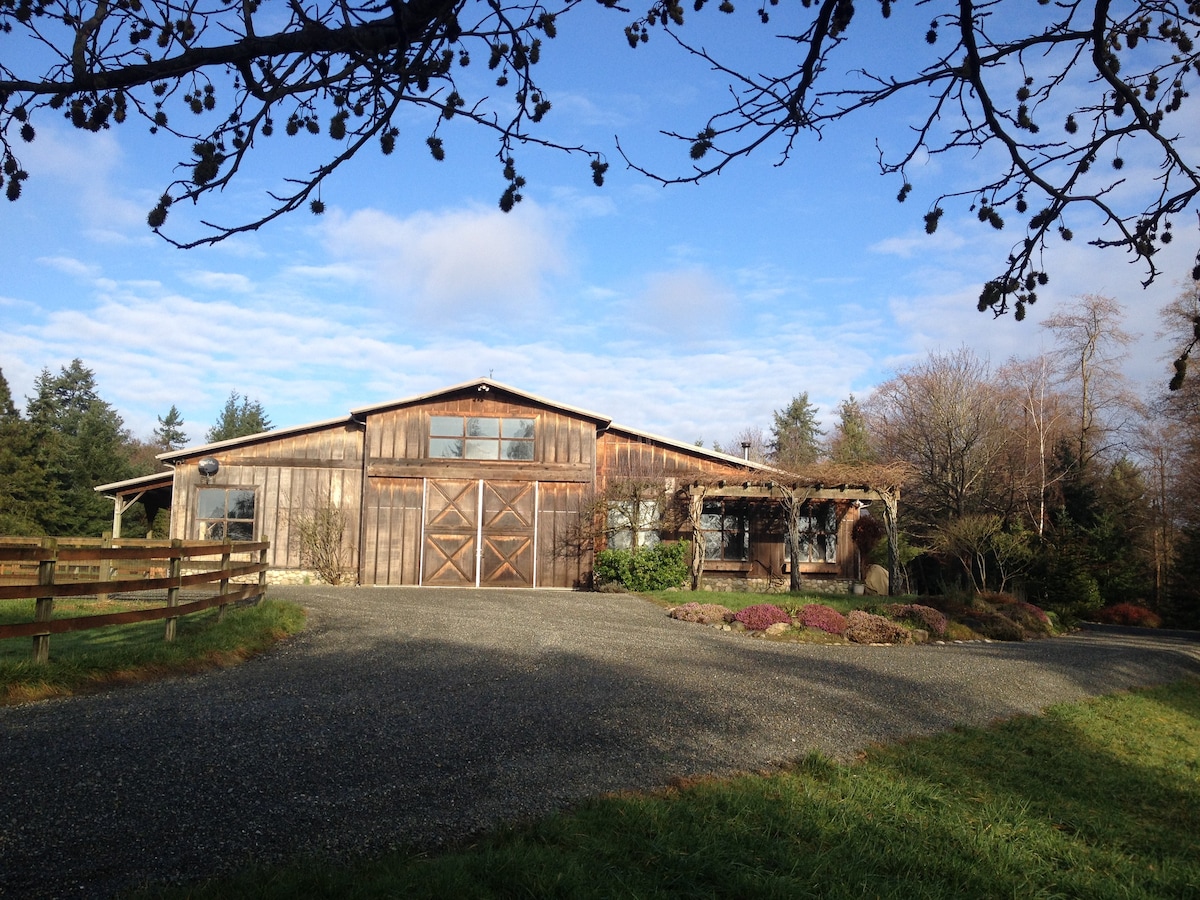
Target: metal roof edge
(252, 438)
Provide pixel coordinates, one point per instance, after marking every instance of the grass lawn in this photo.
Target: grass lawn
(85, 660)
(1098, 799)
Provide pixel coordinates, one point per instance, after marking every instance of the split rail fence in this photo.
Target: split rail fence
(44, 569)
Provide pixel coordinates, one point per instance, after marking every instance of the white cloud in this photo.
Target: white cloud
(70, 266)
(229, 282)
(448, 267)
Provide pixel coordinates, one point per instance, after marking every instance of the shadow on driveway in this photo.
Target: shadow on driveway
(418, 716)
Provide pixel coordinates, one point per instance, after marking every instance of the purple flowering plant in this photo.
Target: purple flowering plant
(762, 616)
(817, 615)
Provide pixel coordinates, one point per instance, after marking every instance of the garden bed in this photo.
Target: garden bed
(876, 621)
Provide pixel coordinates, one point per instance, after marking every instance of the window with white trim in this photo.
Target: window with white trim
(725, 530)
(225, 514)
(818, 534)
(633, 523)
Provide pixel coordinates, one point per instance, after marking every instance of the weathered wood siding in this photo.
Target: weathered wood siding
(561, 560)
(624, 455)
(402, 547)
(292, 475)
(392, 531)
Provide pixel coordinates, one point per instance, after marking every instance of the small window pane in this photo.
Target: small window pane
(518, 428)
(241, 505)
(214, 531)
(482, 449)
(210, 503)
(446, 448)
(241, 531)
(516, 449)
(446, 426)
(480, 427)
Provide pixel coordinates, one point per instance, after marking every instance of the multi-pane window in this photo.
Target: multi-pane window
(480, 437)
(818, 534)
(633, 523)
(725, 530)
(225, 514)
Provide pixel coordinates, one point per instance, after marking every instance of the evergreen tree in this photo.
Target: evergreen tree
(851, 443)
(169, 435)
(795, 437)
(24, 489)
(240, 417)
(7, 409)
(80, 442)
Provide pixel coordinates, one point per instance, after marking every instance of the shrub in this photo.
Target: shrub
(867, 628)
(704, 613)
(925, 617)
(1129, 614)
(762, 616)
(322, 545)
(651, 569)
(817, 615)
(1031, 619)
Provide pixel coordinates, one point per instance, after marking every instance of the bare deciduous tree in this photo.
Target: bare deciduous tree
(947, 419)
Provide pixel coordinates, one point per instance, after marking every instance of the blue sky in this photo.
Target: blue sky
(688, 311)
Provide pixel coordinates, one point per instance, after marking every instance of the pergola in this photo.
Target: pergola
(791, 490)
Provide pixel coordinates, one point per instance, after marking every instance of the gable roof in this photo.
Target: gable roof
(483, 385)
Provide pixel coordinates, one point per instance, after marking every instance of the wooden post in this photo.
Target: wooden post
(175, 570)
(262, 577)
(695, 510)
(104, 570)
(890, 510)
(44, 606)
(225, 563)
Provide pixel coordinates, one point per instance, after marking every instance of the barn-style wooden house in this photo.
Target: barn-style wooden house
(482, 484)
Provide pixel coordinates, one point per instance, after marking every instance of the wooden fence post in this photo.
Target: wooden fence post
(225, 564)
(262, 577)
(175, 570)
(104, 567)
(44, 606)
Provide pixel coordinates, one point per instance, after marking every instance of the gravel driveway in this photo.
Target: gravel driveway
(414, 716)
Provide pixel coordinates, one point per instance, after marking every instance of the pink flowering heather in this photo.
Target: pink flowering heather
(817, 615)
(865, 628)
(1128, 614)
(761, 616)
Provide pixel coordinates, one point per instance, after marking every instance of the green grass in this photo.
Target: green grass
(1098, 799)
(86, 660)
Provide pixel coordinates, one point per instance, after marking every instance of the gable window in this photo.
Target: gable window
(818, 534)
(225, 514)
(725, 530)
(480, 437)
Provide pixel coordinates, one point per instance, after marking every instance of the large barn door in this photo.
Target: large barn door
(507, 532)
(451, 532)
(479, 533)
